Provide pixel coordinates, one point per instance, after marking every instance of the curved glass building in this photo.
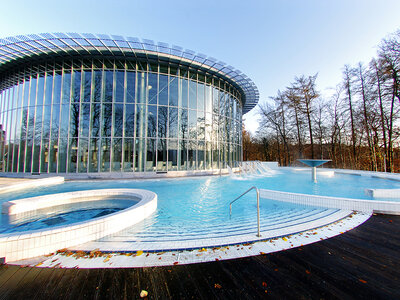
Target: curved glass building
(83, 103)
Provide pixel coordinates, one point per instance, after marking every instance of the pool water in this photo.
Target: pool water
(62, 215)
(199, 207)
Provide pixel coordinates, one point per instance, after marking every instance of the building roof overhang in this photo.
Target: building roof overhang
(27, 48)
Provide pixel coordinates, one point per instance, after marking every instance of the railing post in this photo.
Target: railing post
(258, 212)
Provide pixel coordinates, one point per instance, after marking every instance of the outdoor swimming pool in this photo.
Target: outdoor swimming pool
(198, 208)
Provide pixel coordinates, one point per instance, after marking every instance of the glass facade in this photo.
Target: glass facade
(89, 115)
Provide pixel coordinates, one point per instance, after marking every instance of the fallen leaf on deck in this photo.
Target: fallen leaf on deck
(362, 280)
(143, 294)
(264, 284)
(217, 286)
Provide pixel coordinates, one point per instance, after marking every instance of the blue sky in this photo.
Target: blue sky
(270, 41)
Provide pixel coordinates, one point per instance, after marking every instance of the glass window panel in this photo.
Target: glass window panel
(200, 96)
(107, 120)
(22, 151)
(163, 90)
(76, 88)
(151, 155)
(64, 120)
(32, 97)
(72, 155)
(153, 87)
(74, 120)
(15, 160)
(116, 155)
(62, 154)
(48, 89)
(105, 155)
(182, 155)
(172, 155)
(139, 154)
(108, 86)
(85, 119)
(208, 126)
(26, 92)
(95, 119)
(173, 91)
(141, 87)
(151, 121)
(130, 87)
(208, 155)
(39, 100)
(192, 124)
(208, 99)
(200, 125)
(164, 69)
(66, 88)
(162, 155)
(173, 122)
(120, 86)
(83, 155)
(215, 104)
(118, 119)
(129, 120)
(162, 121)
(37, 138)
(215, 156)
(87, 85)
(50, 158)
(140, 120)
(192, 154)
(128, 155)
(183, 93)
(97, 82)
(183, 124)
(56, 89)
(192, 94)
(94, 155)
(200, 155)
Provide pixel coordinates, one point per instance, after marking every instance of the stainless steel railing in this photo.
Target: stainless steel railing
(258, 206)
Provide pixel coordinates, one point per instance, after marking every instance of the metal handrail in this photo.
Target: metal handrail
(258, 206)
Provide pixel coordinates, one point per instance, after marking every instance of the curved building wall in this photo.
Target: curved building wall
(110, 115)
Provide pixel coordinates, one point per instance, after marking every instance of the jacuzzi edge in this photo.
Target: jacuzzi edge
(17, 246)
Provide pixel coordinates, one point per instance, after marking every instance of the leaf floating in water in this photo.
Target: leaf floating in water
(217, 286)
(284, 238)
(107, 258)
(308, 272)
(175, 263)
(203, 250)
(140, 252)
(264, 284)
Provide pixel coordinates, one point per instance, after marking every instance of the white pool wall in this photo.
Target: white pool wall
(22, 245)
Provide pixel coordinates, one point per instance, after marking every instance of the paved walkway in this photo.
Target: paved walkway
(362, 263)
(6, 181)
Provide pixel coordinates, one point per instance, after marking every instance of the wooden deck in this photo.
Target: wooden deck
(363, 263)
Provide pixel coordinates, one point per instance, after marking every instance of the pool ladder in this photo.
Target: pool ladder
(258, 206)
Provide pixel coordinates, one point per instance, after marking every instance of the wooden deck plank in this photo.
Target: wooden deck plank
(361, 263)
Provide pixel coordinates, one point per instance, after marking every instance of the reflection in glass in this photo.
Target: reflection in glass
(73, 119)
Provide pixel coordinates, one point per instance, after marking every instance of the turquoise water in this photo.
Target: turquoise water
(202, 203)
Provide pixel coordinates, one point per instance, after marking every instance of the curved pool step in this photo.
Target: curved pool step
(221, 234)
